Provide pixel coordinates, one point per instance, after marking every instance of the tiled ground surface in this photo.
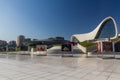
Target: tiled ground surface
(55, 67)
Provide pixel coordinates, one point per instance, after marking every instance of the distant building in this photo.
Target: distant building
(20, 40)
(59, 38)
(3, 43)
(11, 46)
(49, 41)
(34, 39)
(27, 40)
(12, 43)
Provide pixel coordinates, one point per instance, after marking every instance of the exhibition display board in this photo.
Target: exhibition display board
(40, 50)
(106, 47)
(67, 49)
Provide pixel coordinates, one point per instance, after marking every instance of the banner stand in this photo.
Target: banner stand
(106, 48)
(67, 50)
(40, 50)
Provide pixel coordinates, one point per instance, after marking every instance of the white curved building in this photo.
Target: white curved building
(106, 29)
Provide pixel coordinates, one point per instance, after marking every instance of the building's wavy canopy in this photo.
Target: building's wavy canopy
(106, 29)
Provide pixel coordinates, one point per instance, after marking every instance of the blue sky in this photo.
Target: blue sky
(42, 19)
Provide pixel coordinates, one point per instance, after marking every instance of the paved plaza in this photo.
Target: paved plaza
(55, 67)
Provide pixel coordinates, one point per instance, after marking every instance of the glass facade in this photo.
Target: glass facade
(107, 30)
(75, 39)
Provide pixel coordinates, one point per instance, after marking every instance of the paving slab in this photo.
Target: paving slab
(52, 67)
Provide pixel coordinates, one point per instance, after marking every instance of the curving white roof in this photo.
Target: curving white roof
(91, 35)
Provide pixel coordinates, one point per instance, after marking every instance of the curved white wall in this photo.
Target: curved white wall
(92, 35)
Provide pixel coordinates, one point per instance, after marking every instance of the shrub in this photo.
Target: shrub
(87, 44)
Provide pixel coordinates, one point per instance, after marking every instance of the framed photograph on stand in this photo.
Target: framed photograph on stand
(41, 50)
(106, 48)
(67, 50)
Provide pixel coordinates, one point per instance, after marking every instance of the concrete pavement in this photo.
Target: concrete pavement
(52, 67)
